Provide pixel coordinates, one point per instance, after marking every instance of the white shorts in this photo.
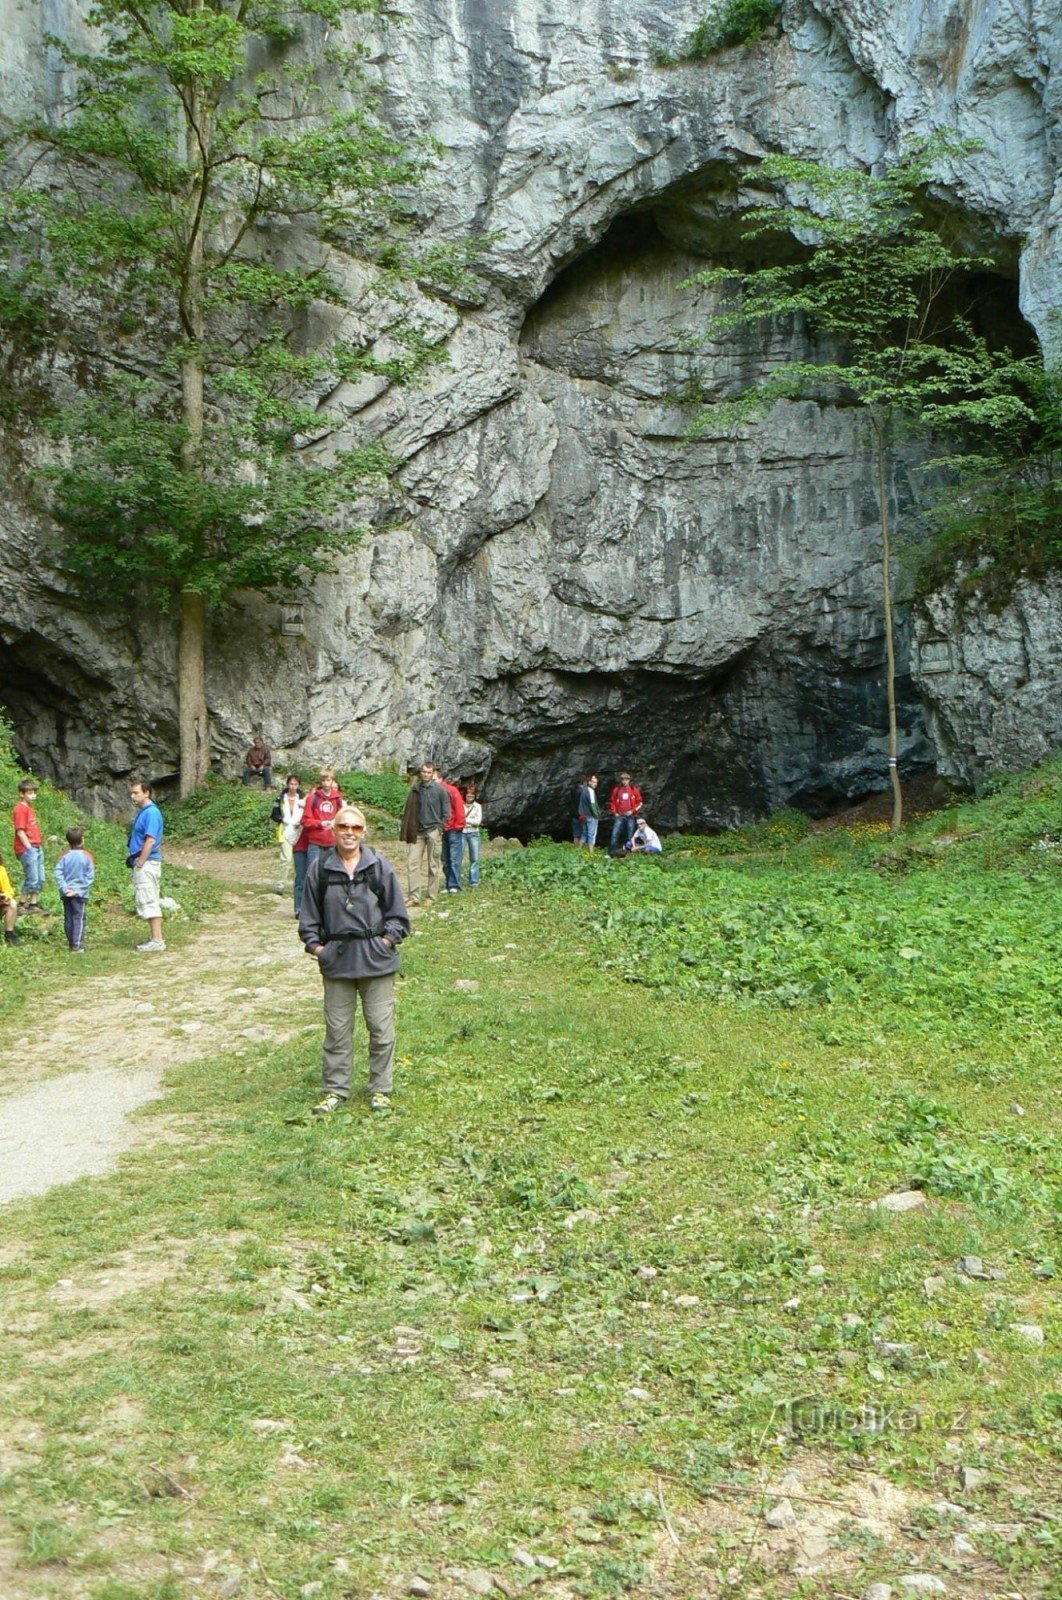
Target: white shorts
(147, 885)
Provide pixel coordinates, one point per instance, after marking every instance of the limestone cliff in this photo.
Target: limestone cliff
(559, 582)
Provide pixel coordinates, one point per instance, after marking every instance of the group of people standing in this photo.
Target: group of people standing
(441, 826)
(75, 870)
(631, 833)
(442, 821)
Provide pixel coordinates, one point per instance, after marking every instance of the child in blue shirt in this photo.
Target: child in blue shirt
(74, 872)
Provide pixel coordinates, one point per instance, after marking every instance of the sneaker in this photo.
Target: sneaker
(331, 1102)
(150, 946)
(380, 1102)
(12, 937)
(77, 949)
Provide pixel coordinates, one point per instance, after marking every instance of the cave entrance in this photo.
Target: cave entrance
(738, 577)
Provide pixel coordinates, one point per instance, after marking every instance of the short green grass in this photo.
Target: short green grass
(609, 1261)
(42, 960)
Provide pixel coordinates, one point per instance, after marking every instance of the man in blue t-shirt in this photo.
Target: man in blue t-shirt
(145, 858)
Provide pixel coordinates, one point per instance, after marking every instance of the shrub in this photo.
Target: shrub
(731, 23)
(386, 790)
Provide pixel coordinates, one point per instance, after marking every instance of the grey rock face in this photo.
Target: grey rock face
(991, 681)
(561, 583)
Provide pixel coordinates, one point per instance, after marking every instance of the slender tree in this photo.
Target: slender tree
(167, 233)
(857, 259)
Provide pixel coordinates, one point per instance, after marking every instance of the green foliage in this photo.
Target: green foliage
(136, 517)
(732, 22)
(729, 23)
(873, 274)
(142, 231)
(230, 815)
(226, 814)
(803, 919)
(385, 791)
(1001, 517)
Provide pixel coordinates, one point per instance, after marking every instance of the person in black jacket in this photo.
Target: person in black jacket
(352, 919)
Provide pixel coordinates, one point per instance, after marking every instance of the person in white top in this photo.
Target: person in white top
(473, 823)
(645, 840)
(287, 814)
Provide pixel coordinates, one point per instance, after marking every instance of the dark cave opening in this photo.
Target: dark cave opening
(801, 718)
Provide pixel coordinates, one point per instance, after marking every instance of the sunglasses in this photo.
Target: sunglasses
(350, 827)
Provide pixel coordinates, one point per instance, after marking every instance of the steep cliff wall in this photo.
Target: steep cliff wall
(559, 582)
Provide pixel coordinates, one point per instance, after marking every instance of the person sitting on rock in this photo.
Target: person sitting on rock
(258, 764)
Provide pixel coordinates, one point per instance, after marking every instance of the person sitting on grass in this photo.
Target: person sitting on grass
(644, 840)
(74, 873)
(8, 906)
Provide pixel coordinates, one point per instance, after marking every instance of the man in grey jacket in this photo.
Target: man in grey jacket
(352, 918)
(426, 815)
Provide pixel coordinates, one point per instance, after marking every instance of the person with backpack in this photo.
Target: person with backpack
(352, 920)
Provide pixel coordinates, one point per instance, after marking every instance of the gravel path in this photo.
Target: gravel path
(75, 1126)
(242, 978)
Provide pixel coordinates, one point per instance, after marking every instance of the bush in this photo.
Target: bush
(385, 790)
(733, 22)
(230, 815)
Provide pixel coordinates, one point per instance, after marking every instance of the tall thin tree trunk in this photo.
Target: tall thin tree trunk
(191, 692)
(890, 643)
(193, 717)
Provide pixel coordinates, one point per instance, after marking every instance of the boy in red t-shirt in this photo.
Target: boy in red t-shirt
(29, 847)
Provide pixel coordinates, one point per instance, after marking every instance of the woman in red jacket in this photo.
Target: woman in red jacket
(317, 836)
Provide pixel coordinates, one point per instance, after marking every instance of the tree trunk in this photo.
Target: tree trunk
(193, 717)
(191, 693)
(890, 644)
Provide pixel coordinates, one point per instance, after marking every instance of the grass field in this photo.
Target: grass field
(604, 1306)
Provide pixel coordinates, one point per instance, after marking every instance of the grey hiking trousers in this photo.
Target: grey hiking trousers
(340, 1008)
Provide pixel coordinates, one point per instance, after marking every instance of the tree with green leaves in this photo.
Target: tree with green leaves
(855, 256)
(167, 234)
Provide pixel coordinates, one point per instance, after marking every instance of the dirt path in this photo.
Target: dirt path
(241, 978)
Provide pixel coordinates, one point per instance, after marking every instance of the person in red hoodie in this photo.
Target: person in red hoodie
(453, 839)
(317, 836)
(624, 802)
